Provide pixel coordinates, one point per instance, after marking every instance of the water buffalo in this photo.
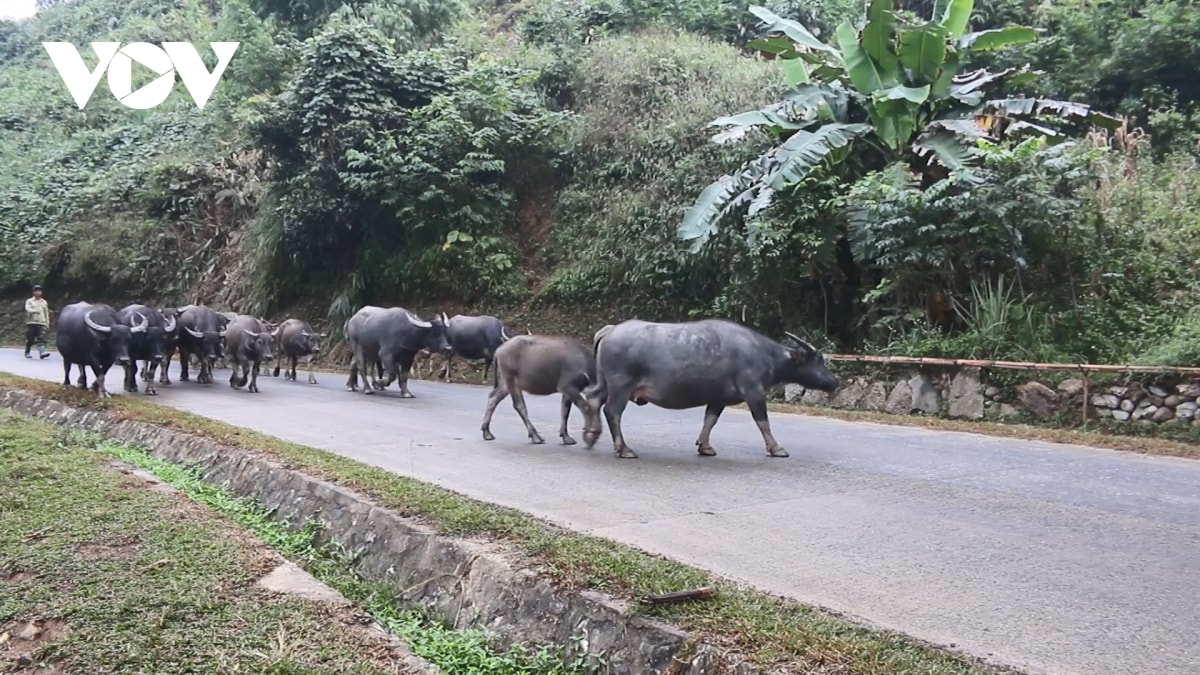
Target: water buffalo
(92, 335)
(469, 344)
(248, 343)
(201, 332)
(170, 342)
(389, 339)
(542, 365)
(712, 363)
(146, 345)
(474, 338)
(294, 338)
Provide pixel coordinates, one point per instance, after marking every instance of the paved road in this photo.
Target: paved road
(1051, 558)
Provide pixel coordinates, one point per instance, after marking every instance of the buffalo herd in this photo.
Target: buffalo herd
(710, 363)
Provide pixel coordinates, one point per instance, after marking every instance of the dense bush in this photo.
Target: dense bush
(545, 151)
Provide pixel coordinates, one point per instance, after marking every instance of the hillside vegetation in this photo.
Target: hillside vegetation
(544, 155)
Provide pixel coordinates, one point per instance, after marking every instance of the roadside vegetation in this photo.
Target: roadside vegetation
(767, 629)
(102, 574)
(539, 158)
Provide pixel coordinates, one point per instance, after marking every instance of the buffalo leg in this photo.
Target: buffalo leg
(98, 385)
(184, 361)
(487, 365)
(130, 371)
(562, 428)
(446, 367)
(164, 378)
(151, 366)
(278, 364)
(571, 397)
(499, 392)
(711, 414)
(403, 368)
(614, 407)
(758, 410)
(82, 379)
(518, 401)
(312, 379)
(355, 362)
(66, 373)
(254, 378)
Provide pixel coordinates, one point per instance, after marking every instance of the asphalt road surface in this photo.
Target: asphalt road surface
(1051, 558)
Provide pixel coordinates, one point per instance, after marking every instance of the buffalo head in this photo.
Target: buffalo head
(117, 335)
(806, 367)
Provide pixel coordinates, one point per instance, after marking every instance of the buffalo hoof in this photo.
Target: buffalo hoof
(487, 435)
(150, 391)
(777, 452)
(311, 379)
(567, 440)
(590, 438)
(706, 450)
(253, 388)
(537, 440)
(626, 453)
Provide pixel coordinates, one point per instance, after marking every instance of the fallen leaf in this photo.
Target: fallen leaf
(158, 563)
(4, 638)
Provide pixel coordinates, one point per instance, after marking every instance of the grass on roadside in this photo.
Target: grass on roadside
(466, 651)
(766, 629)
(99, 574)
(192, 605)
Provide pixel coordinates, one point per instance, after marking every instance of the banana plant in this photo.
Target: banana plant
(890, 86)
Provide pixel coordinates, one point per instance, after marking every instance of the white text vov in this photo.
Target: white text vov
(117, 61)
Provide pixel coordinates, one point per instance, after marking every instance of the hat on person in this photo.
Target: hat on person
(36, 287)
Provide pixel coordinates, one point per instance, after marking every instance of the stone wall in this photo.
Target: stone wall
(966, 393)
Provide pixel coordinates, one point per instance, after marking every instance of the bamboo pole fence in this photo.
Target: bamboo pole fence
(1083, 368)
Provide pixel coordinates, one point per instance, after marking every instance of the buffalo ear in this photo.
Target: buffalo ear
(800, 355)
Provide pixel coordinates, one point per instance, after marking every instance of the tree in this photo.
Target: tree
(890, 91)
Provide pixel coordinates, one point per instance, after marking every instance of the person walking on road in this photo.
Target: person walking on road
(37, 323)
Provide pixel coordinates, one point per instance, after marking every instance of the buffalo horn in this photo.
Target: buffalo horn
(141, 326)
(250, 333)
(275, 333)
(800, 342)
(445, 319)
(170, 324)
(194, 333)
(417, 322)
(504, 333)
(87, 318)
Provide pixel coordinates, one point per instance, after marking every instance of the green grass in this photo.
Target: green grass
(770, 631)
(119, 578)
(466, 651)
(193, 606)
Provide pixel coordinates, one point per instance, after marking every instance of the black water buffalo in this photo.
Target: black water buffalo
(146, 344)
(201, 332)
(170, 342)
(711, 363)
(294, 338)
(389, 339)
(473, 338)
(92, 336)
(542, 365)
(248, 343)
